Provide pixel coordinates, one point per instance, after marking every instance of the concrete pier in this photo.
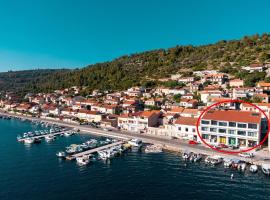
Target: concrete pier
(88, 152)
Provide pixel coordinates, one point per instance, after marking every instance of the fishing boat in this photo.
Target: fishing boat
(186, 155)
(49, 138)
(68, 133)
(102, 155)
(227, 162)
(266, 168)
(153, 149)
(213, 160)
(29, 140)
(74, 148)
(61, 154)
(135, 142)
(242, 166)
(197, 157)
(253, 168)
(83, 160)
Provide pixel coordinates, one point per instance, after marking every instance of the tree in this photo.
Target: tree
(256, 99)
(177, 98)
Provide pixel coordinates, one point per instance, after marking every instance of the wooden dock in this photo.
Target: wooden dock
(43, 136)
(88, 152)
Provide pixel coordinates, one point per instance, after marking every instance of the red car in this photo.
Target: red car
(192, 142)
(222, 146)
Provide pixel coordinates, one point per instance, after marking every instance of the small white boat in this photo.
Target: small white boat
(153, 149)
(253, 168)
(29, 140)
(213, 160)
(104, 155)
(227, 162)
(197, 157)
(68, 133)
(135, 142)
(83, 160)
(242, 166)
(186, 155)
(266, 169)
(61, 154)
(49, 138)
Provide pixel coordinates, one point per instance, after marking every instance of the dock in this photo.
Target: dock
(91, 151)
(53, 134)
(43, 136)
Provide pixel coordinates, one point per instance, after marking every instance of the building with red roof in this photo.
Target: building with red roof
(231, 127)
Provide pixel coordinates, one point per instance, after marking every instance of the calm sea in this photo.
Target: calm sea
(36, 173)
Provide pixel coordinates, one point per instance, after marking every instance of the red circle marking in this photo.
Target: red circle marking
(225, 151)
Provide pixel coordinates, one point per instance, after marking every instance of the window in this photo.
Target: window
(231, 132)
(222, 130)
(252, 134)
(205, 122)
(204, 128)
(213, 122)
(232, 124)
(252, 126)
(179, 128)
(241, 133)
(186, 129)
(213, 130)
(222, 123)
(241, 125)
(204, 136)
(193, 130)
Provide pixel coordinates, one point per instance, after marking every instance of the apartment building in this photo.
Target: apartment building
(231, 127)
(139, 121)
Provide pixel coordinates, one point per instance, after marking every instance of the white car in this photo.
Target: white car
(246, 155)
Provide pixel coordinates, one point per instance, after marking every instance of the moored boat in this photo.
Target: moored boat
(253, 168)
(49, 138)
(29, 140)
(213, 160)
(61, 154)
(197, 157)
(83, 160)
(135, 142)
(266, 168)
(153, 149)
(186, 154)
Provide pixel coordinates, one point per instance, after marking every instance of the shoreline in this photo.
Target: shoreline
(166, 143)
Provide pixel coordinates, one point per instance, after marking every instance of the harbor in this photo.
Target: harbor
(139, 166)
(160, 144)
(166, 143)
(94, 150)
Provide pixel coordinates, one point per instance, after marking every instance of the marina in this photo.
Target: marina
(192, 154)
(172, 169)
(95, 150)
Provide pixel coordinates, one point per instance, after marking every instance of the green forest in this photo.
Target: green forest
(147, 67)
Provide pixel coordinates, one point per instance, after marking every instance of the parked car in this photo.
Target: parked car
(192, 142)
(233, 147)
(246, 155)
(222, 146)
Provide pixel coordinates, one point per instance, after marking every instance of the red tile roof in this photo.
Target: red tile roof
(186, 121)
(233, 115)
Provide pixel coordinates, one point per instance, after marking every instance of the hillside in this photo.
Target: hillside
(18, 81)
(140, 68)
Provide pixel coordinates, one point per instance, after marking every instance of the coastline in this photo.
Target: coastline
(167, 143)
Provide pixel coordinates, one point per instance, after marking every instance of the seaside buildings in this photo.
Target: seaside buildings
(176, 108)
(231, 127)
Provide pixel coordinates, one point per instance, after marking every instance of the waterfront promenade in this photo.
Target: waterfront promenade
(167, 143)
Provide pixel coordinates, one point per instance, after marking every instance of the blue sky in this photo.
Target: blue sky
(68, 33)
